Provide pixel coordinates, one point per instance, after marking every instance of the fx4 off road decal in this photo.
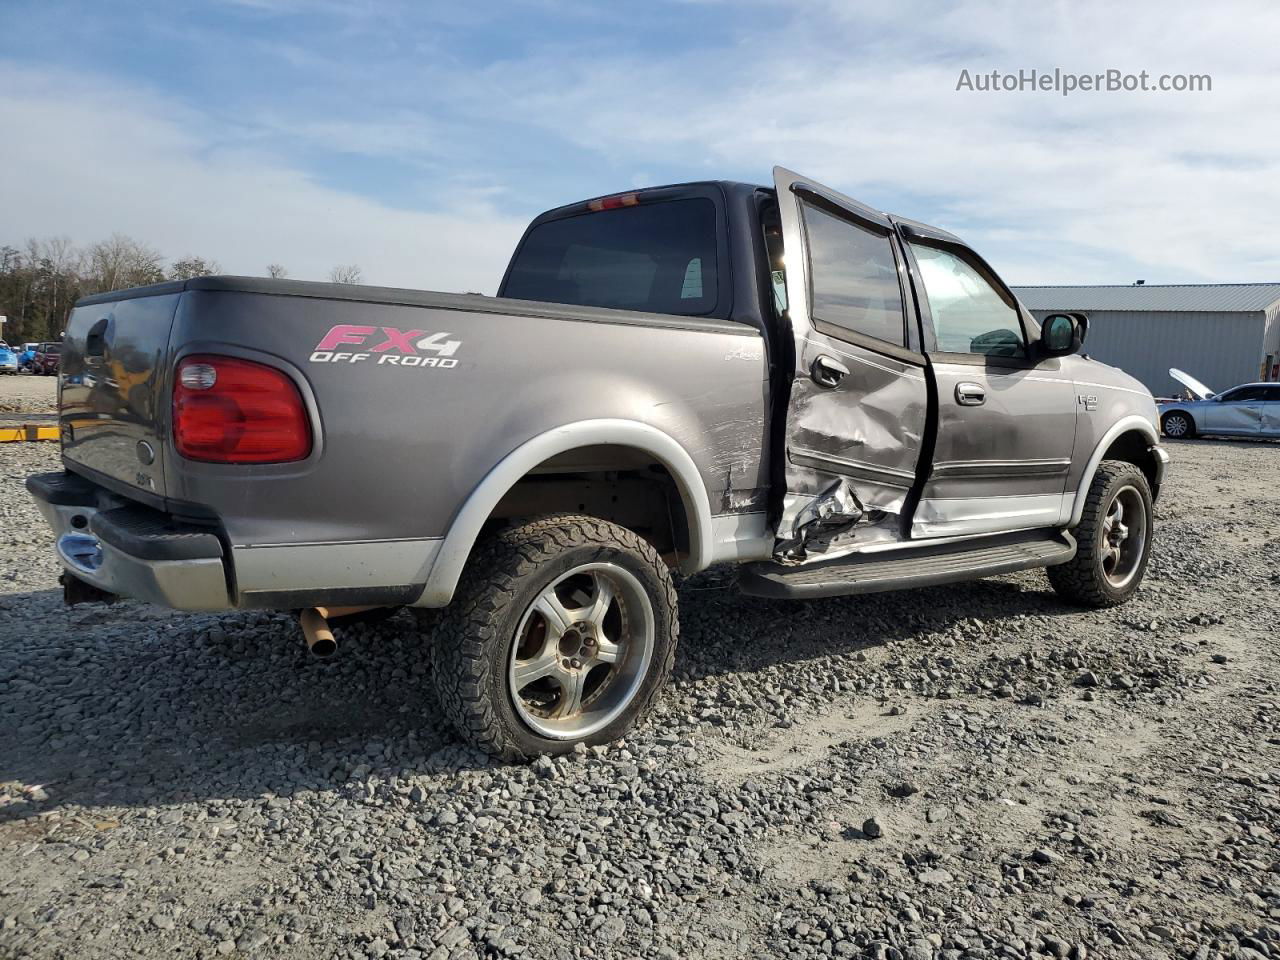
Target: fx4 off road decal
(386, 346)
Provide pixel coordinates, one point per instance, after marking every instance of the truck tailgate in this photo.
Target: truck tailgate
(113, 387)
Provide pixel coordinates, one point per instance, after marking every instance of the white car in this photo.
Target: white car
(1249, 410)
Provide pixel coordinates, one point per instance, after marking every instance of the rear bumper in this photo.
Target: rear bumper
(131, 550)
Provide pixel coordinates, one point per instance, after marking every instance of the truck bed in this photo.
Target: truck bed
(402, 435)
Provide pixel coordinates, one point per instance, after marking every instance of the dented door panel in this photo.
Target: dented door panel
(867, 429)
(853, 438)
(1238, 411)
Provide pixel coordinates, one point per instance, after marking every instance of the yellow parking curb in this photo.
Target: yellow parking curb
(28, 431)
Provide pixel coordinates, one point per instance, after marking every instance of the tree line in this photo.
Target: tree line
(41, 281)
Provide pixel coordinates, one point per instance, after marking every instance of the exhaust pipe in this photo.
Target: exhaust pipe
(316, 630)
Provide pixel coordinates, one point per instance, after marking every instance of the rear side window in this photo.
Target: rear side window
(654, 257)
(853, 276)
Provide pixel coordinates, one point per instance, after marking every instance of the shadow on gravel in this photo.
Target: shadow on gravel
(723, 631)
(134, 706)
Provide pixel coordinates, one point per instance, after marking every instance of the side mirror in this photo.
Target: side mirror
(1062, 334)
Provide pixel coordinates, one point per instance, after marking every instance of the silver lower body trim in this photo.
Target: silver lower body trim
(333, 566)
(741, 536)
(945, 518)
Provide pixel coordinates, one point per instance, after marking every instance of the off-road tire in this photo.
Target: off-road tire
(1186, 434)
(1082, 579)
(506, 571)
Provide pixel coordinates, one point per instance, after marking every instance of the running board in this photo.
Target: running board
(907, 567)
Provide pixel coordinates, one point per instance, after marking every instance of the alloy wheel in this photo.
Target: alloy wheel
(581, 651)
(1124, 537)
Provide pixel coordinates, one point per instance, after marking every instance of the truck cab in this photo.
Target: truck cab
(913, 398)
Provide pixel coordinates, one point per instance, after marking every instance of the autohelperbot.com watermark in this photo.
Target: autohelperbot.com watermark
(1065, 82)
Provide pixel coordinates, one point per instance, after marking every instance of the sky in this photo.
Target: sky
(416, 138)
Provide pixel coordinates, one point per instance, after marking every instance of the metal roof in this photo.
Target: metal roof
(1162, 298)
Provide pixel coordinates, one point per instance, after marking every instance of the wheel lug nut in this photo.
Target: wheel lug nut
(575, 662)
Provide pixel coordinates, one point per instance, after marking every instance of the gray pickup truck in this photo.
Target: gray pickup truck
(838, 400)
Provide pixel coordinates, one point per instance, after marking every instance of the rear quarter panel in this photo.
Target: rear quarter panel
(402, 447)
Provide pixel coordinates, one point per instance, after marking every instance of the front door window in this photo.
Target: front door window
(970, 315)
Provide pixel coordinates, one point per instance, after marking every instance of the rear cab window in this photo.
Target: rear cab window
(656, 256)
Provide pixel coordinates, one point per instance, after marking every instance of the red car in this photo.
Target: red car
(46, 359)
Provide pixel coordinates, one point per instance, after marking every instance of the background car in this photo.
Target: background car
(1249, 410)
(45, 362)
(8, 359)
(26, 355)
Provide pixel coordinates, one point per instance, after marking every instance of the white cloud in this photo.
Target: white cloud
(95, 158)
(1085, 188)
(1096, 187)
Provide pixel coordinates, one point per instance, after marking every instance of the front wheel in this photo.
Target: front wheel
(1178, 425)
(562, 631)
(1113, 539)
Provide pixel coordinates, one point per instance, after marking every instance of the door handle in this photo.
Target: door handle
(827, 371)
(970, 394)
(95, 340)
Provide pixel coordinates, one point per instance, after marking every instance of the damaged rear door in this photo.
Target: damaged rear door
(856, 416)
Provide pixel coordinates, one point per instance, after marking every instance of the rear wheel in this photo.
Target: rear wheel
(1178, 425)
(563, 630)
(1113, 539)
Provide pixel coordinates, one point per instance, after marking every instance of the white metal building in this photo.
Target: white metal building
(1220, 333)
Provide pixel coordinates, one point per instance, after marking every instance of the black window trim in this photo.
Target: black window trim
(899, 351)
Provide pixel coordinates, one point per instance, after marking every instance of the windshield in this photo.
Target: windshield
(655, 257)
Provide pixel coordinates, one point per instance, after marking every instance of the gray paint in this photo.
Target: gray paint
(1026, 425)
(1011, 463)
(402, 449)
(864, 433)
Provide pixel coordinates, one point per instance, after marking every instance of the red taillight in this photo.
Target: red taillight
(227, 410)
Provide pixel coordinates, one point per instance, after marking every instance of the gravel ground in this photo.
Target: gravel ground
(965, 771)
(28, 394)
